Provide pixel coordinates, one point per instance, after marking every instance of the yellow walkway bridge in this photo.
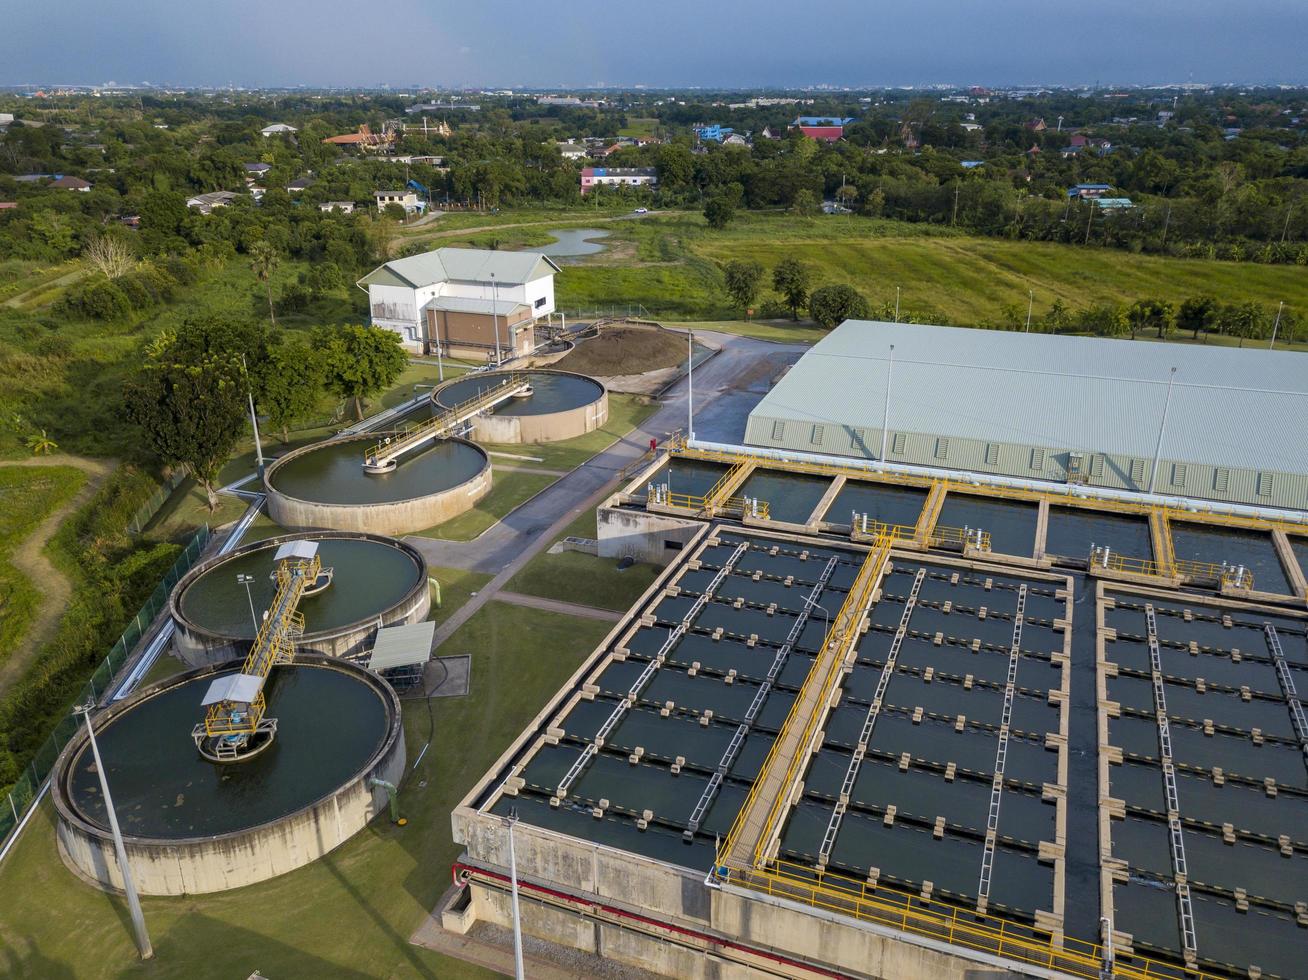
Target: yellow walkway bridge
(381, 458)
(234, 725)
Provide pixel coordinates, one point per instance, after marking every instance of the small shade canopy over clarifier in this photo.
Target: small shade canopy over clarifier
(1208, 724)
(192, 825)
(551, 406)
(326, 486)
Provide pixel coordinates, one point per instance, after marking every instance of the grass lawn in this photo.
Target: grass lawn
(509, 489)
(574, 577)
(778, 331)
(27, 495)
(457, 587)
(348, 915)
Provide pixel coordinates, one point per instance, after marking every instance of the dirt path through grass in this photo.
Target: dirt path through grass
(30, 559)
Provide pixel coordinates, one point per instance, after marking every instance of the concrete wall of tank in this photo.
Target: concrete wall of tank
(653, 538)
(211, 864)
(678, 895)
(389, 517)
(551, 427)
(197, 647)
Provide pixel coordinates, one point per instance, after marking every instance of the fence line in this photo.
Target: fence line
(145, 513)
(24, 794)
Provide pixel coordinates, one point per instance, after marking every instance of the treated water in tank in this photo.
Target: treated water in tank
(329, 724)
(690, 476)
(333, 473)
(1300, 548)
(1251, 549)
(1011, 525)
(367, 578)
(1072, 532)
(549, 393)
(790, 497)
(889, 505)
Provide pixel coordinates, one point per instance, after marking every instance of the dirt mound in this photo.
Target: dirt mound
(625, 350)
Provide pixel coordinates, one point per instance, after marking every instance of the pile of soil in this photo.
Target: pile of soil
(625, 350)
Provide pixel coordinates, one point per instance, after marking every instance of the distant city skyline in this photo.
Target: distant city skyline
(678, 43)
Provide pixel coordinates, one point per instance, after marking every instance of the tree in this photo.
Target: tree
(292, 384)
(790, 278)
(1197, 314)
(189, 402)
(110, 255)
(831, 305)
(41, 444)
(1145, 313)
(742, 281)
(804, 202)
(263, 263)
(361, 361)
(718, 212)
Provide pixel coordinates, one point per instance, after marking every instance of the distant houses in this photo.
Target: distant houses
(406, 199)
(69, 183)
(592, 177)
(206, 203)
(825, 129)
(278, 129)
(341, 207)
(572, 151)
(1088, 191)
(364, 139)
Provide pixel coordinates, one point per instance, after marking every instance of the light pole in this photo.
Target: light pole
(825, 614)
(254, 419)
(129, 887)
(1162, 426)
(247, 580)
(513, 878)
(1276, 324)
(896, 304)
(495, 318)
(690, 386)
(1030, 305)
(885, 412)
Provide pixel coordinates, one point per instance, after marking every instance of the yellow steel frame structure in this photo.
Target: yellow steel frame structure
(1165, 565)
(274, 644)
(445, 422)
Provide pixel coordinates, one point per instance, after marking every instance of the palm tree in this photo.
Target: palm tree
(41, 444)
(263, 263)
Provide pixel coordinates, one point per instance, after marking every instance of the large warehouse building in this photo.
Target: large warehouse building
(1207, 422)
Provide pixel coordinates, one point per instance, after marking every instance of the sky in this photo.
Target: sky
(661, 43)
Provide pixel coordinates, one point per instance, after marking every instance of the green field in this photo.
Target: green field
(27, 496)
(347, 915)
(675, 272)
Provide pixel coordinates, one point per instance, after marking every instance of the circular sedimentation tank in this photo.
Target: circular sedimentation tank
(191, 826)
(560, 405)
(326, 486)
(375, 581)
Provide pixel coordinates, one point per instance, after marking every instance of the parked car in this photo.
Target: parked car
(641, 211)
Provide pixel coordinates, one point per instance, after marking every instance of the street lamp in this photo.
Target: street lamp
(1162, 427)
(885, 413)
(247, 581)
(1030, 305)
(129, 886)
(510, 821)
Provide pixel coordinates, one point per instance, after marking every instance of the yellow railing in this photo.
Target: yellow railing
(273, 644)
(844, 630)
(1193, 571)
(740, 506)
(400, 441)
(943, 536)
(984, 933)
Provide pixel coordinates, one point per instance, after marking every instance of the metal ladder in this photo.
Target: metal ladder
(647, 675)
(1177, 840)
(738, 738)
(869, 722)
(1287, 687)
(1001, 753)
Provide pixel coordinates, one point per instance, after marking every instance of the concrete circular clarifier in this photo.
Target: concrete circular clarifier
(326, 486)
(375, 581)
(192, 826)
(561, 405)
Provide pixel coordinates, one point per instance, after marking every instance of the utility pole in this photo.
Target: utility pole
(517, 918)
(885, 412)
(1286, 227)
(129, 887)
(1166, 221)
(1276, 324)
(1030, 305)
(254, 419)
(1162, 426)
(1089, 221)
(953, 220)
(896, 304)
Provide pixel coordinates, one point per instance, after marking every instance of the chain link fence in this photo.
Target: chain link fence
(147, 510)
(25, 792)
